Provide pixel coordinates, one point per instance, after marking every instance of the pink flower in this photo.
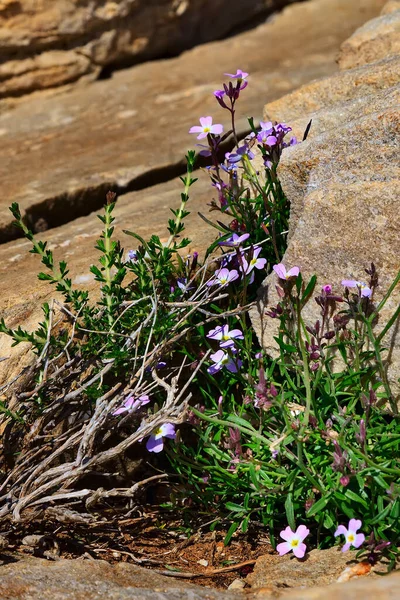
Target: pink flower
(205, 128)
(222, 359)
(225, 336)
(239, 74)
(155, 443)
(130, 404)
(235, 240)
(364, 289)
(327, 289)
(280, 270)
(294, 541)
(223, 277)
(254, 262)
(352, 537)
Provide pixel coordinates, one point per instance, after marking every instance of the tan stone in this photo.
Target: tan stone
(36, 579)
(377, 39)
(390, 7)
(96, 34)
(343, 184)
(61, 153)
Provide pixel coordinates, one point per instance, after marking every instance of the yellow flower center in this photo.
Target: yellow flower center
(226, 337)
(294, 543)
(207, 129)
(351, 538)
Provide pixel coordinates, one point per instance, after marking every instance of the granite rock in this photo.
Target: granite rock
(343, 184)
(47, 43)
(377, 39)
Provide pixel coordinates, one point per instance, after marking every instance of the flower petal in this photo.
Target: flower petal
(346, 547)
(360, 539)
(300, 550)
(154, 445)
(293, 272)
(350, 283)
(283, 548)
(302, 532)
(280, 270)
(287, 534)
(354, 524)
(341, 530)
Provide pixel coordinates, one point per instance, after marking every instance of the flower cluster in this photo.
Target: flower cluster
(294, 540)
(225, 357)
(271, 141)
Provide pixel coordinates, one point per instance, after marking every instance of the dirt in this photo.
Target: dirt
(153, 540)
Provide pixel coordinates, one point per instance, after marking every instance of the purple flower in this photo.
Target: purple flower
(267, 126)
(206, 127)
(327, 289)
(241, 78)
(239, 75)
(222, 359)
(255, 262)
(267, 139)
(132, 256)
(235, 240)
(225, 336)
(155, 443)
(280, 270)
(184, 285)
(352, 537)
(131, 404)
(365, 291)
(293, 541)
(223, 277)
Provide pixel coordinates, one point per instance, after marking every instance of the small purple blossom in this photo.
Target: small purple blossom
(132, 256)
(225, 336)
(352, 537)
(293, 541)
(327, 289)
(280, 270)
(222, 359)
(223, 277)
(365, 291)
(254, 262)
(206, 127)
(132, 404)
(241, 78)
(235, 240)
(155, 443)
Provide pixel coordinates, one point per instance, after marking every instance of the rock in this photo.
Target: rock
(377, 39)
(343, 184)
(35, 579)
(320, 567)
(61, 153)
(390, 7)
(48, 43)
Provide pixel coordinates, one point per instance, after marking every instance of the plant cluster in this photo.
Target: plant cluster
(169, 353)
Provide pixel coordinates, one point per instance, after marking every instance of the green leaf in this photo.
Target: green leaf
(290, 511)
(318, 506)
(231, 531)
(356, 498)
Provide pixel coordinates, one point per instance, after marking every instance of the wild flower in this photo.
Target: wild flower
(132, 256)
(254, 262)
(225, 336)
(352, 537)
(206, 127)
(223, 277)
(365, 291)
(222, 359)
(235, 240)
(293, 541)
(240, 76)
(131, 404)
(282, 273)
(155, 443)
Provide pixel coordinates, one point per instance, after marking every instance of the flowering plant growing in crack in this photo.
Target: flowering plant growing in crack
(164, 361)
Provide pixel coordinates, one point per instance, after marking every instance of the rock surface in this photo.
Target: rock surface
(320, 568)
(47, 43)
(35, 579)
(377, 39)
(39, 579)
(59, 153)
(343, 184)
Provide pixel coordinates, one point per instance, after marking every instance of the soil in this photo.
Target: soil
(153, 540)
